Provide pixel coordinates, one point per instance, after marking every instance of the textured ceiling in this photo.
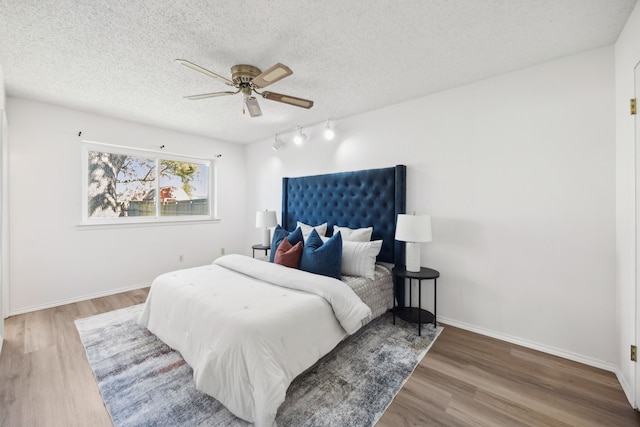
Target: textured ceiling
(116, 57)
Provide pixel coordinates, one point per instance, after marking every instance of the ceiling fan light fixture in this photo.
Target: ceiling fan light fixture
(328, 133)
(252, 105)
(300, 137)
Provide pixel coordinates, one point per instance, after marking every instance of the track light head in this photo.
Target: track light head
(300, 137)
(329, 134)
(278, 143)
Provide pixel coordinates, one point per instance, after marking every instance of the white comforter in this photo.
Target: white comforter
(249, 327)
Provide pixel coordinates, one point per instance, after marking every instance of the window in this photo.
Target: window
(125, 185)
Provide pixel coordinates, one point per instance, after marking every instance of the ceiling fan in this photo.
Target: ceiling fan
(247, 79)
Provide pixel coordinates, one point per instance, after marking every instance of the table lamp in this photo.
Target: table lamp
(266, 219)
(413, 229)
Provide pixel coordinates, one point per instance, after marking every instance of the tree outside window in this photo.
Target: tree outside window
(128, 185)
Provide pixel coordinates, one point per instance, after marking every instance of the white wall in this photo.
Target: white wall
(627, 55)
(52, 260)
(2, 92)
(2, 218)
(518, 173)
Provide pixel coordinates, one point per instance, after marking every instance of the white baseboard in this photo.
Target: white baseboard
(78, 299)
(607, 366)
(626, 388)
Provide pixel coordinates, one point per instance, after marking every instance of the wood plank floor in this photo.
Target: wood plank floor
(465, 380)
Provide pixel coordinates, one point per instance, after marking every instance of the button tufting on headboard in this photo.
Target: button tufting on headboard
(372, 197)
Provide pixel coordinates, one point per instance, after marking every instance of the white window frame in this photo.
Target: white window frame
(157, 156)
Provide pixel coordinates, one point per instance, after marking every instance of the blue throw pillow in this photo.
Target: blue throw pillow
(319, 258)
(279, 234)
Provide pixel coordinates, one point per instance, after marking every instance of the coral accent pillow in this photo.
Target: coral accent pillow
(280, 233)
(288, 255)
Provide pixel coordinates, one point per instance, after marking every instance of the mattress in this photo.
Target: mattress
(377, 293)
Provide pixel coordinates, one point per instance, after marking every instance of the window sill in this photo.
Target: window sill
(138, 224)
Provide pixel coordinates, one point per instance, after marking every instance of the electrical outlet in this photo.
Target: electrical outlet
(221, 251)
(180, 258)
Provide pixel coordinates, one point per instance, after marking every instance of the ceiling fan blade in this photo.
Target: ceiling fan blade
(292, 100)
(210, 95)
(205, 71)
(272, 75)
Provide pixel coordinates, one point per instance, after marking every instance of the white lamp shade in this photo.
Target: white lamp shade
(266, 219)
(413, 228)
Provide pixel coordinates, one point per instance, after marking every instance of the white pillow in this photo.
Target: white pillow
(354, 234)
(359, 258)
(306, 229)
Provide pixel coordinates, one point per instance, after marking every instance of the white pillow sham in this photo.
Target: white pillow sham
(359, 258)
(354, 234)
(306, 229)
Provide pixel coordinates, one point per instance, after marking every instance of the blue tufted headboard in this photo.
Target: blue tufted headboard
(372, 197)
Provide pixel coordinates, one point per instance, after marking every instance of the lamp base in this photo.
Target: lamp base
(413, 257)
(266, 237)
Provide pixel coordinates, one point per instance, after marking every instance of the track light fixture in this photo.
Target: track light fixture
(278, 143)
(300, 137)
(329, 134)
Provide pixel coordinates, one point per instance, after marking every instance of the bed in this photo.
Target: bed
(249, 327)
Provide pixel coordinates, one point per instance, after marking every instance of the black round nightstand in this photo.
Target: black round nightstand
(415, 314)
(260, 247)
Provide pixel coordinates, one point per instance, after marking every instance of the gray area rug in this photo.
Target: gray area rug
(145, 383)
